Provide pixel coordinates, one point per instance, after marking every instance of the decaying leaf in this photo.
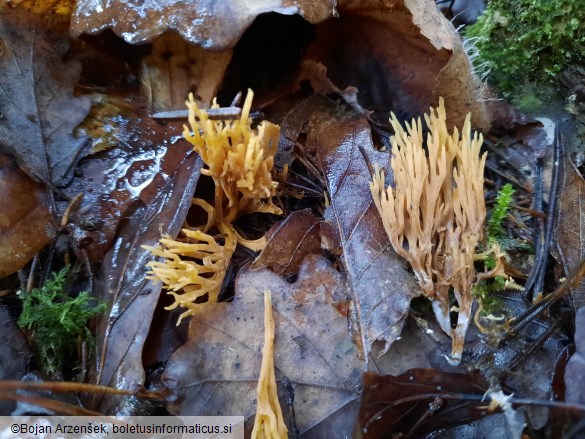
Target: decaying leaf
(216, 371)
(570, 227)
(26, 224)
(39, 111)
(289, 242)
(377, 281)
(115, 183)
(132, 299)
(215, 25)
(411, 403)
(14, 353)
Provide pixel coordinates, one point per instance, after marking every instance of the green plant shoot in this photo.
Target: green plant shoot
(56, 321)
(500, 211)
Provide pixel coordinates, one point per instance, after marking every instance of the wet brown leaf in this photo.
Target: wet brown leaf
(376, 278)
(215, 25)
(569, 230)
(39, 111)
(116, 182)
(26, 225)
(289, 241)
(161, 208)
(417, 402)
(216, 371)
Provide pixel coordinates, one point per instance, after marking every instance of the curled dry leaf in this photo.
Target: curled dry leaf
(39, 111)
(175, 68)
(26, 210)
(216, 371)
(215, 25)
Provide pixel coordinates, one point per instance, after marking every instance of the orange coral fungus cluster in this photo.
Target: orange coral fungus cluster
(240, 161)
(435, 214)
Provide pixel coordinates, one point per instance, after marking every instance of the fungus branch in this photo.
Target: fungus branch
(434, 215)
(240, 161)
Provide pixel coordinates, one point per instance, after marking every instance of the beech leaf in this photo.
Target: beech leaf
(378, 283)
(216, 371)
(27, 210)
(38, 110)
(216, 25)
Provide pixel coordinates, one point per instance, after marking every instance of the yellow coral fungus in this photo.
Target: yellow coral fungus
(435, 214)
(240, 161)
(269, 423)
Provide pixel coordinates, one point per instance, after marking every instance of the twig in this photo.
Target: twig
(572, 281)
(535, 281)
(50, 404)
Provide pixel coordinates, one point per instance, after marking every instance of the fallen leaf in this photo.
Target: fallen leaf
(288, 242)
(54, 10)
(216, 371)
(215, 25)
(412, 402)
(377, 281)
(115, 182)
(25, 210)
(14, 354)
(176, 68)
(575, 370)
(569, 230)
(121, 333)
(559, 418)
(38, 108)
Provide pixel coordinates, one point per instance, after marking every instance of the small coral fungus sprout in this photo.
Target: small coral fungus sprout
(239, 159)
(435, 213)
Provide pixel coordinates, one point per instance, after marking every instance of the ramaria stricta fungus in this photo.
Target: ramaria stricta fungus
(239, 159)
(434, 215)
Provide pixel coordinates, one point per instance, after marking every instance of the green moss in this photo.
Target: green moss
(56, 321)
(499, 212)
(527, 42)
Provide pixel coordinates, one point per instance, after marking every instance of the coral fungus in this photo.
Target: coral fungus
(434, 216)
(239, 159)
